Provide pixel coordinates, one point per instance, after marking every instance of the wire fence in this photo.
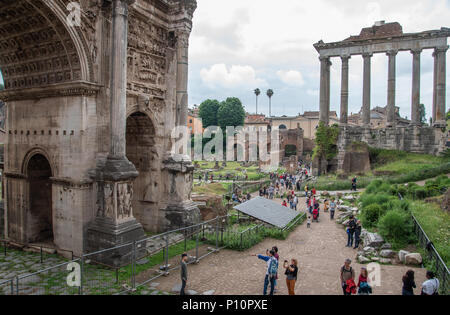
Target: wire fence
(56, 280)
(438, 265)
(7, 287)
(46, 252)
(127, 268)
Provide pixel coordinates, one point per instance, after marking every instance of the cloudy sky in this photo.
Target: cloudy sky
(239, 45)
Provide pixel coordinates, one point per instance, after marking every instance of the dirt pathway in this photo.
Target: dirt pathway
(320, 250)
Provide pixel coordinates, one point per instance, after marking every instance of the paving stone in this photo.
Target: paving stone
(143, 261)
(177, 288)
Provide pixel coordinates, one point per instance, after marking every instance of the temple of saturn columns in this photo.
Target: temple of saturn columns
(90, 111)
(389, 39)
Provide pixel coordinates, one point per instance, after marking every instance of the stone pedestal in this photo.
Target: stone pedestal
(180, 210)
(105, 234)
(114, 223)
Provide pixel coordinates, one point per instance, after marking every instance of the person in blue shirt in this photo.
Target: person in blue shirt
(272, 264)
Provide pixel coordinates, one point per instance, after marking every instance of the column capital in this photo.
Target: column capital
(326, 60)
(392, 53)
(345, 57)
(442, 49)
(416, 51)
(183, 38)
(120, 7)
(367, 55)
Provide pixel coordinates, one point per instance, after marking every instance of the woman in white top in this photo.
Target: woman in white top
(431, 286)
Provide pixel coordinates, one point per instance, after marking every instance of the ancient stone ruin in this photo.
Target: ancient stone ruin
(90, 110)
(389, 39)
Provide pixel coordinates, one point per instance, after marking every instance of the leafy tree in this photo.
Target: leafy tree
(208, 112)
(422, 114)
(270, 94)
(326, 141)
(231, 113)
(257, 93)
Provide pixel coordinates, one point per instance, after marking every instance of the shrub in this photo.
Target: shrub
(422, 174)
(371, 214)
(402, 205)
(397, 227)
(381, 198)
(420, 193)
(373, 186)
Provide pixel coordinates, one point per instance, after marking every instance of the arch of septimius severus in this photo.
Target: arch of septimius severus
(90, 110)
(388, 39)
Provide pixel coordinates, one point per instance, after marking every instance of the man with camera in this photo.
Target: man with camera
(291, 275)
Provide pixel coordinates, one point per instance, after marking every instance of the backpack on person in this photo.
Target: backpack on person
(352, 225)
(273, 267)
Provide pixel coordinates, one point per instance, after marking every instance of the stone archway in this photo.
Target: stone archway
(140, 150)
(38, 47)
(290, 150)
(40, 214)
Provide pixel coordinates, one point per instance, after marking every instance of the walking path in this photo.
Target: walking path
(320, 250)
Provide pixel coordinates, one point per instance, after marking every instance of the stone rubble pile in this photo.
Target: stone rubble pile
(374, 248)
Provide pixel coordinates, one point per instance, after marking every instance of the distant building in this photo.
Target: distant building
(378, 118)
(195, 123)
(308, 122)
(255, 122)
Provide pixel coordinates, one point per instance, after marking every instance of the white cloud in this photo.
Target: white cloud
(219, 75)
(267, 36)
(312, 92)
(291, 77)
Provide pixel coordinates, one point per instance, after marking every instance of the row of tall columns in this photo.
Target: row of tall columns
(325, 65)
(344, 89)
(366, 88)
(392, 71)
(415, 97)
(439, 97)
(440, 86)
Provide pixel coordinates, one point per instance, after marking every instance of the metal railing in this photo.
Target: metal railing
(438, 265)
(50, 281)
(7, 287)
(300, 218)
(129, 267)
(42, 249)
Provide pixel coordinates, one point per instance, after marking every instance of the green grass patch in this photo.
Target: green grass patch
(435, 222)
(213, 188)
(234, 239)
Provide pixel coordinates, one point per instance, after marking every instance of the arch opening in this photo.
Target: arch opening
(290, 150)
(40, 214)
(140, 150)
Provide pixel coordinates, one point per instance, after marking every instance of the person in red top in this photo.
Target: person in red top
(284, 204)
(314, 191)
(363, 285)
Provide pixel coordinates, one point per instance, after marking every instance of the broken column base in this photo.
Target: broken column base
(103, 234)
(182, 215)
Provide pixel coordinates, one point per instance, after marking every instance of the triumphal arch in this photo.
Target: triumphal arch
(91, 104)
(388, 39)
